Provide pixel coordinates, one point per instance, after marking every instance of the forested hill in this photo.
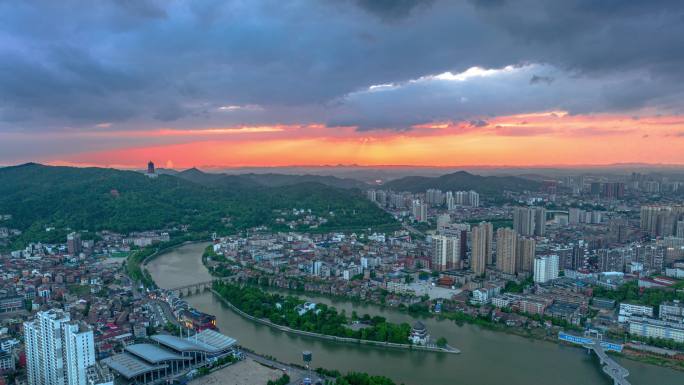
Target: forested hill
(267, 180)
(39, 196)
(487, 185)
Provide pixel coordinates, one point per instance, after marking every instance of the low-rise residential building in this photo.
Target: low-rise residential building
(534, 305)
(11, 303)
(671, 311)
(653, 328)
(628, 310)
(480, 297)
(569, 312)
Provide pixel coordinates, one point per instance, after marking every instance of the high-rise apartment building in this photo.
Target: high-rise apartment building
(545, 268)
(461, 198)
(529, 221)
(450, 202)
(473, 198)
(613, 190)
(661, 221)
(482, 238)
(434, 197)
(446, 253)
(526, 249)
(523, 221)
(74, 243)
(506, 248)
(539, 221)
(58, 351)
(419, 210)
(575, 215)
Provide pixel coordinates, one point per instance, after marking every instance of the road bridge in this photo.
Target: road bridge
(610, 367)
(197, 287)
(616, 372)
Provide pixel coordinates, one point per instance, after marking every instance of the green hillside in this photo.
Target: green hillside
(93, 199)
(487, 185)
(267, 180)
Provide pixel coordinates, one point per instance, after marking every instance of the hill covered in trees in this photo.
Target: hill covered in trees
(67, 198)
(267, 180)
(461, 180)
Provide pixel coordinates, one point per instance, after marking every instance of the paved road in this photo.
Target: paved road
(405, 225)
(296, 374)
(610, 367)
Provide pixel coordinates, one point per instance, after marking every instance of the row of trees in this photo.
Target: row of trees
(353, 378)
(282, 310)
(632, 293)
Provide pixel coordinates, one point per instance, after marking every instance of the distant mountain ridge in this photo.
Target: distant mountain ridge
(462, 180)
(253, 180)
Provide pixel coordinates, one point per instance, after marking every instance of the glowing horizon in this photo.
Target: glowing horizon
(540, 139)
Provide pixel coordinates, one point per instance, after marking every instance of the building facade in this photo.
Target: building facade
(481, 244)
(545, 268)
(58, 351)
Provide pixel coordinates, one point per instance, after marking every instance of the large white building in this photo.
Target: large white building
(628, 310)
(545, 268)
(58, 351)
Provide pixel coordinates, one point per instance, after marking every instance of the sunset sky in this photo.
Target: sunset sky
(277, 83)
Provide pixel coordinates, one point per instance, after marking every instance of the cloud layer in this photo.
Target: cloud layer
(117, 66)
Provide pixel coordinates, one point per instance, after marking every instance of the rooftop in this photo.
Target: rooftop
(153, 353)
(215, 339)
(184, 344)
(129, 366)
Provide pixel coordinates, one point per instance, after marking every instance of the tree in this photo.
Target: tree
(441, 342)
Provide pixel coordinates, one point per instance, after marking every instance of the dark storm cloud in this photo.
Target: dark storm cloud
(145, 63)
(392, 9)
(478, 123)
(536, 79)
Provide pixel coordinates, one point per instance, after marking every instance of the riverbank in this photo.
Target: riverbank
(519, 361)
(532, 334)
(286, 329)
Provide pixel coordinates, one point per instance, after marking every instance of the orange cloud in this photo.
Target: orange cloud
(545, 138)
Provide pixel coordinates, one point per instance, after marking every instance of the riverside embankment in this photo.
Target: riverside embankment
(286, 329)
(489, 357)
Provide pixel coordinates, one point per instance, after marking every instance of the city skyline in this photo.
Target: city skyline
(419, 83)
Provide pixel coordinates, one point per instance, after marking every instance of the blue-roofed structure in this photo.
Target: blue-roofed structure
(153, 353)
(133, 368)
(169, 355)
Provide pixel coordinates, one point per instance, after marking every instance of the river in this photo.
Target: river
(487, 358)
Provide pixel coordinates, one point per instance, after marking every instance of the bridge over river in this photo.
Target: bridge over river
(197, 287)
(610, 367)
